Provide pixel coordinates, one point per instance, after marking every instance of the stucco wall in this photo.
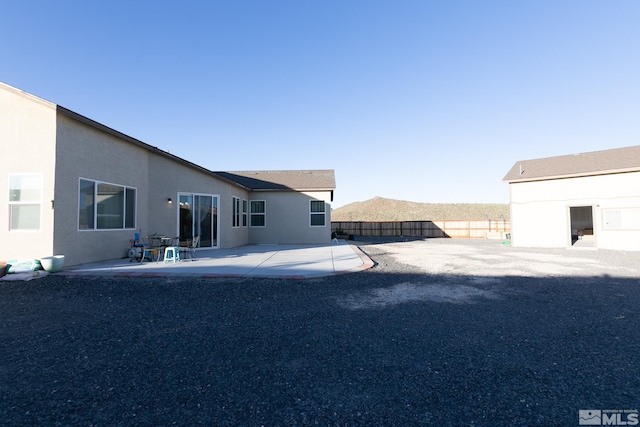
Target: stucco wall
(38, 137)
(540, 210)
(167, 178)
(287, 219)
(89, 153)
(27, 138)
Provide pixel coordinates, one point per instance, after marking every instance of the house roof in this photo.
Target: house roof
(299, 180)
(291, 180)
(82, 119)
(617, 160)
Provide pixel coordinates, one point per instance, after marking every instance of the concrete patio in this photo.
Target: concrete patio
(279, 261)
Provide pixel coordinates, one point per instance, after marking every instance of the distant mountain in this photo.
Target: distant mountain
(381, 209)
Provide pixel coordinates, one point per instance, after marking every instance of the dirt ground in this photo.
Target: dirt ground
(488, 264)
(494, 258)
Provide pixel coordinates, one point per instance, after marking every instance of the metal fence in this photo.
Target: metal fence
(459, 229)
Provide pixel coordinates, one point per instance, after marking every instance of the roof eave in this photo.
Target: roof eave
(294, 189)
(575, 175)
(80, 118)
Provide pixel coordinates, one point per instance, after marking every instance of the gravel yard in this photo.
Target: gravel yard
(439, 332)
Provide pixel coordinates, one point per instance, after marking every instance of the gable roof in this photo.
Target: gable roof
(298, 180)
(617, 160)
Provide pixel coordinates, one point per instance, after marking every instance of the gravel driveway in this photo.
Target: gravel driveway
(441, 332)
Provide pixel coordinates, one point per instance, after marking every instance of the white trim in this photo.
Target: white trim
(20, 203)
(264, 214)
(323, 213)
(236, 212)
(95, 203)
(245, 213)
(215, 200)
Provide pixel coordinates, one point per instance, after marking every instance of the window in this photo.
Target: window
(621, 219)
(103, 206)
(258, 213)
(236, 212)
(25, 200)
(317, 212)
(244, 213)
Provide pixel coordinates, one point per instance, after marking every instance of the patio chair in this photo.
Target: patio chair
(153, 249)
(189, 248)
(137, 245)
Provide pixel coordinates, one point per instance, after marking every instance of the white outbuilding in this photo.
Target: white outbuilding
(586, 200)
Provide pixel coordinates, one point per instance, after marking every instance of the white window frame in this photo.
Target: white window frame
(17, 203)
(256, 214)
(313, 213)
(235, 212)
(245, 213)
(125, 189)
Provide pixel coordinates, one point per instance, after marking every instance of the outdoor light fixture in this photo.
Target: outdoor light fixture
(169, 200)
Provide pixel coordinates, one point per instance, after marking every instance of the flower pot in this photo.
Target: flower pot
(52, 264)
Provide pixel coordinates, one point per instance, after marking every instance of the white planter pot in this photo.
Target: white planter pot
(52, 264)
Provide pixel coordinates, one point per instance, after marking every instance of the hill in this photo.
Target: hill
(381, 209)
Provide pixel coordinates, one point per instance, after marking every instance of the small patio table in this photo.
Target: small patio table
(157, 243)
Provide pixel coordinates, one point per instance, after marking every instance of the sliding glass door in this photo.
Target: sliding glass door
(198, 216)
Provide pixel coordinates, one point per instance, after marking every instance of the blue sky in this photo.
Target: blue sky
(427, 101)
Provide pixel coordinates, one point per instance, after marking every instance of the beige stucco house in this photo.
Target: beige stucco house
(71, 186)
(586, 200)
